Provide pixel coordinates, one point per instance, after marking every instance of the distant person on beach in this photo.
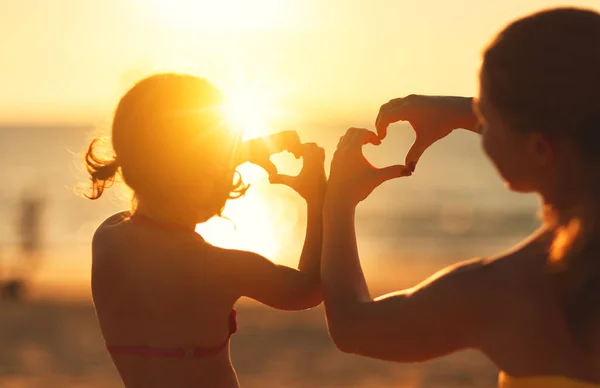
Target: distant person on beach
(534, 310)
(165, 297)
(31, 210)
(29, 231)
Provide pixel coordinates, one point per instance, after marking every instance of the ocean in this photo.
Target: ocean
(454, 207)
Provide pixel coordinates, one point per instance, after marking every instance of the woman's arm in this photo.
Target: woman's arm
(447, 312)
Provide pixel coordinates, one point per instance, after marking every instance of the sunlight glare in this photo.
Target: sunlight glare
(256, 223)
(250, 110)
(221, 15)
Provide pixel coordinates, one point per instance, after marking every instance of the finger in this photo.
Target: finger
(282, 141)
(395, 110)
(268, 166)
(385, 174)
(321, 152)
(308, 147)
(283, 179)
(384, 116)
(312, 152)
(339, 142)
(368, 137)
(257, 148)
(296, 151)
(357, 137)
(415, 152)
(381, 122)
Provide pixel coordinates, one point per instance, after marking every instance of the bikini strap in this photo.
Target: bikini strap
(197, 352)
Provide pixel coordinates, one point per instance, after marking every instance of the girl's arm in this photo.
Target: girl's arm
(283, 287)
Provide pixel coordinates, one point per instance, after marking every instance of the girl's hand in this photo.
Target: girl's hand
(352, 178)
(259, 150)
(311, 181)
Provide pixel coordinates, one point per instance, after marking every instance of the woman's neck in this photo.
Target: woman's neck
(574, 195)
(572, 224)
(560, 208)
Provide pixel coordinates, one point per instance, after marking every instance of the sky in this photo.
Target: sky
(65, 61)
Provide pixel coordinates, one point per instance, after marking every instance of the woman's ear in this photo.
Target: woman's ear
(543, 151)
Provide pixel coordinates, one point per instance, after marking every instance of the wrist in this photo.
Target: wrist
(338, 192)
(316, 197)
(338, 205)
(315, 204)
(465, 117)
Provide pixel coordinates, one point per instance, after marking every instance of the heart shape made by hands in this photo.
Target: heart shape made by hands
(258, 151)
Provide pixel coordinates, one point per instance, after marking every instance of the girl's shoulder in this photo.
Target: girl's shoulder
(103, 234)
(115, 219)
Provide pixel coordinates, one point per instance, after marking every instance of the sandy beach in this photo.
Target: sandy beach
(52, 338)
(49, 344)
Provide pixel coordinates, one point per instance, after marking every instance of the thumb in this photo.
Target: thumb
(391, 172)
(415, 152)
(268, 166)
(283, 179)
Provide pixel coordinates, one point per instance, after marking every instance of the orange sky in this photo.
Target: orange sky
(70, 60)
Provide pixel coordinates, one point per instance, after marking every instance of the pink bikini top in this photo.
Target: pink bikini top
(177, 352)
(181, 352)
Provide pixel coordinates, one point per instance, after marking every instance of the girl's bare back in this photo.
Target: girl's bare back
(143, 279)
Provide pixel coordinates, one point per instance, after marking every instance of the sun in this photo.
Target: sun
(256, 222)
(250, 110)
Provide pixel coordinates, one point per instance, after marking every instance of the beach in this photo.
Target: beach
(452, 209)
(50, 344)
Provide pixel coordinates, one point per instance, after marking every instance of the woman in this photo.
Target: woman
(534, 311)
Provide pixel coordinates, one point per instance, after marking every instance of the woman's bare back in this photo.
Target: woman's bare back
(531, 335)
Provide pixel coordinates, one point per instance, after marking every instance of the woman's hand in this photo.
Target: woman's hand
(352, 178)
(432, 118)
(259, 150)
(311, 181)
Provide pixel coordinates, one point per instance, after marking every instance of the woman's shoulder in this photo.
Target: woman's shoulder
(527, 258)
(519, 274)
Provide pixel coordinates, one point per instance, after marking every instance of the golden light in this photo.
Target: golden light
(251, 110)
(220, 15)
(259, 222)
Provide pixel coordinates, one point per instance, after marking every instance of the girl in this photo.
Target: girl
(164, 297)
(534, 311)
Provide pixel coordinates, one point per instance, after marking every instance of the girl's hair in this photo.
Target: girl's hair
(103, 172)
(171, 146)
(542, 73)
